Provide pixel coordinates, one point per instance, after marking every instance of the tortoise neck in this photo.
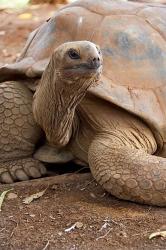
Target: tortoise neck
(54, 106)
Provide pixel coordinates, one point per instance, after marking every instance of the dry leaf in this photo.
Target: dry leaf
(32, 197)
(157, 234)
(2, 197)
(25, 16)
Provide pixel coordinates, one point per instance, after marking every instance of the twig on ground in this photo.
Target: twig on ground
(103, 236)
(78, 171)
(47, 244)
(77, 225)
(14, 227)
(2, 229)
(106, 224)
(87, 185)
(114, 222)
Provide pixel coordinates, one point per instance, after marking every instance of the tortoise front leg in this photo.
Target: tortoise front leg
(128, 173)
(18, 134)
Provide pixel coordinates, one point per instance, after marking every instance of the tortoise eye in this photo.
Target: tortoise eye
(73, 54)
(99, 51)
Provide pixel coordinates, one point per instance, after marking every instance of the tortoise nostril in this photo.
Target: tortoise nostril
(96, 59)
(94, 62)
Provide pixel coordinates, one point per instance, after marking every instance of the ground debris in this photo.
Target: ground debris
(103, 228)
(107, 227)
(47, 244)
(158, 234)
(93, 195)
(11, 196)
(77, 225)
(16, 226)
(35, 196)
(2, 197)
(2, 32)
(83, 188)
(103, 236)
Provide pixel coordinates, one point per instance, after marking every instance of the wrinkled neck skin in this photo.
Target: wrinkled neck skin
(55, 102)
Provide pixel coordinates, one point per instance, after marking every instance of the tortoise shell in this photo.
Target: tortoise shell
(132, 37)
(149, 1)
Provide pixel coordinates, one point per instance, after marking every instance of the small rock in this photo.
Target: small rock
(32, 215)
(123, 234)
(6, 53)
(78, 224)
(93, 195)
(103, 195)
(12, 196)
(54, 187)
(163, 227)
(52, 218)
(2, 33)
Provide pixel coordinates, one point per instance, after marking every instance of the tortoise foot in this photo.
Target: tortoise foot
(21, 170)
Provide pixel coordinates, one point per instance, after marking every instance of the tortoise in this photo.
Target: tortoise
(119, 126)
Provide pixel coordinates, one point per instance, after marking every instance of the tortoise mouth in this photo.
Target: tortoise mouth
(85, 66)
(82, 71)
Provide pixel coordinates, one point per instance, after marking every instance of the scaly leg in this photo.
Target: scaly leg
(128, 173)
(18, 134)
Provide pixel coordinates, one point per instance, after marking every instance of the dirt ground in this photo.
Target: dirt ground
(74, 212)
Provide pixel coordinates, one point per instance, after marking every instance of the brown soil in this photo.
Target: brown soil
(14, 29)
(103, 222)
(48, 1)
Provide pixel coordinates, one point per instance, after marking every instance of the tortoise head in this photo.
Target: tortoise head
(78, 61)
(73, 68)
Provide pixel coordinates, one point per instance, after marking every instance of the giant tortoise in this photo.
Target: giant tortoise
(119, 126)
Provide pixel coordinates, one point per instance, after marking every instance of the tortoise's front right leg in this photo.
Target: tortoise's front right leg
(128, 173)
(18, 134)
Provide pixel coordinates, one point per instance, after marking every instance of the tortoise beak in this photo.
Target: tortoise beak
(94, 63)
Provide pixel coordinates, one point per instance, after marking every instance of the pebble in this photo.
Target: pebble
(78, 224)
(11, 196)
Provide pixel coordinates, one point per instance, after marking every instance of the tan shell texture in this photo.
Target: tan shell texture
(132, 36)
(150, 1)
